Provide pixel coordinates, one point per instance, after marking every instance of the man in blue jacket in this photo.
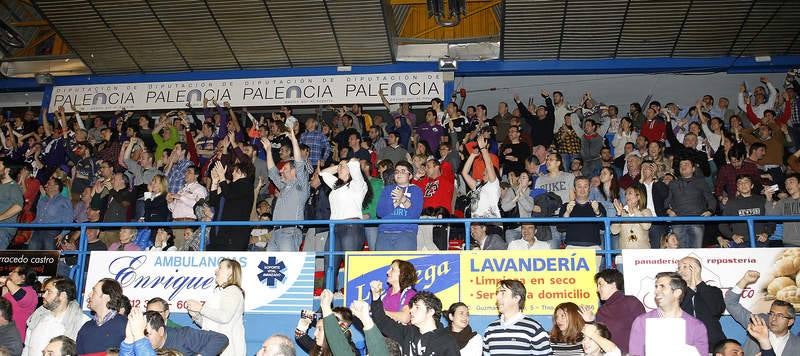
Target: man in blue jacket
(402, 200)
(188, 341)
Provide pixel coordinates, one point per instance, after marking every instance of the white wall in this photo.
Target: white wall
(620, 90)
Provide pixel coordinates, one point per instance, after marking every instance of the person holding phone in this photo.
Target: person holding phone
(401, 200)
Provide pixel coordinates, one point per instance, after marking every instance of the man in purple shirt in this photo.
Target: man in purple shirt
(618, 310)
(430, 131)
(669, 291)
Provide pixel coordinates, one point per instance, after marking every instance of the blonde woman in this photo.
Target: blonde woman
(223, 312)
(633, 235)
(155, 200)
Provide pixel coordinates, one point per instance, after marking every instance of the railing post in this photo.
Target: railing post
(607, 242)
(202, 236)
(81, 275)
(329, 272)
(467, 236)
(752, 231)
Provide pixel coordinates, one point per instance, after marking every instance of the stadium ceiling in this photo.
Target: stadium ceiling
(145, 36)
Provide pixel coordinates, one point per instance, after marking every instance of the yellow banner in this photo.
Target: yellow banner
(551, 277)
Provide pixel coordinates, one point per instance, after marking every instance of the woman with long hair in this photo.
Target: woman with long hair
(401, 277)
(319, 345)
(566, 336)
(655, 153)
(626, 133)
(633, 235)
(608, 191)
(349, 195)
(468, 341)
(17, 289)
(223, 312)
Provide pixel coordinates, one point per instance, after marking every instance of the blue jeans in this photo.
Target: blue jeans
(286, 240)
(43, 240)
(397, 241)
(657, 230)
(372, 236)
(5, 237)
(346, 238)
(689, 236)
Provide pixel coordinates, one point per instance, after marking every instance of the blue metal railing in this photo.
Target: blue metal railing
(606, 251)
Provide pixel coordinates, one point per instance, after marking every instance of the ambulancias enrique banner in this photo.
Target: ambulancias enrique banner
(273, 282)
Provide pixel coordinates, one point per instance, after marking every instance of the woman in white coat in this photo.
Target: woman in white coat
(223, 312)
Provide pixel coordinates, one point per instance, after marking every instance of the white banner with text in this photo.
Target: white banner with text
(310, 90)
(721, 268)
(273, 282)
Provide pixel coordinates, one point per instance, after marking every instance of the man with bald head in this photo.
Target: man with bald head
(277, 345)
(702, 301)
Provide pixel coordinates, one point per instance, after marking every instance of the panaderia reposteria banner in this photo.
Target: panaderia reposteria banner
(308, 90)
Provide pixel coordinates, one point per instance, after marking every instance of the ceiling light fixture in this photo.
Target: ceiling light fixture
(450, 18)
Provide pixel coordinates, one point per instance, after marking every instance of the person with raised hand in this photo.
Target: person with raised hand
(779, 320)
(336, 336)
(423, 335)
(293, 184)
(136, 342)
(758, 330)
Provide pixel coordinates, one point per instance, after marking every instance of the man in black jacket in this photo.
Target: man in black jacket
(186, 340)
(702, 301)
(542, 123)
(687, 150)
(424, 335)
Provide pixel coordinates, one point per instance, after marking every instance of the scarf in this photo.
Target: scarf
(462, 337)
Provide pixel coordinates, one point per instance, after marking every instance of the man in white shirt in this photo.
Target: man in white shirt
(528, 240)
(182, 203)
(59, 314)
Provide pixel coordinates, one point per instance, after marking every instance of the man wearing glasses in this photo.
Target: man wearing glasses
(779, 320)
(401, 200)
(161, 307)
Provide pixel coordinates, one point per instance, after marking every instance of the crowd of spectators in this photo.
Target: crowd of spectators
(550, 160)
(527, 160)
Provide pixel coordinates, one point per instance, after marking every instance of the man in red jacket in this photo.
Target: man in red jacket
(437, 185)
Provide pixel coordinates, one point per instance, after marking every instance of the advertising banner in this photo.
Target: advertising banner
(550, 276)
(45, 263)
(721, 268)
(275, 282)
(310, 90)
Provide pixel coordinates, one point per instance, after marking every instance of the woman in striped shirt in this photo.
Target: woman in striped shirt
(566, 336)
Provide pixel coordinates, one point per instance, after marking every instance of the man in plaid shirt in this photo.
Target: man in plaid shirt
(319, 147)
(176, 168)
(568, 143)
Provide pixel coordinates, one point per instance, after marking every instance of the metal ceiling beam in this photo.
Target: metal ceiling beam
(503, 32)
(391, 26)
(563, 25)
(741, 26)
(91, 3)
(171, 40)
(278, 33)
(680, 31)
(791, 44)
(221, 33)
(621, 29)
(335, 36)
(58, 32)
(774, 13)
